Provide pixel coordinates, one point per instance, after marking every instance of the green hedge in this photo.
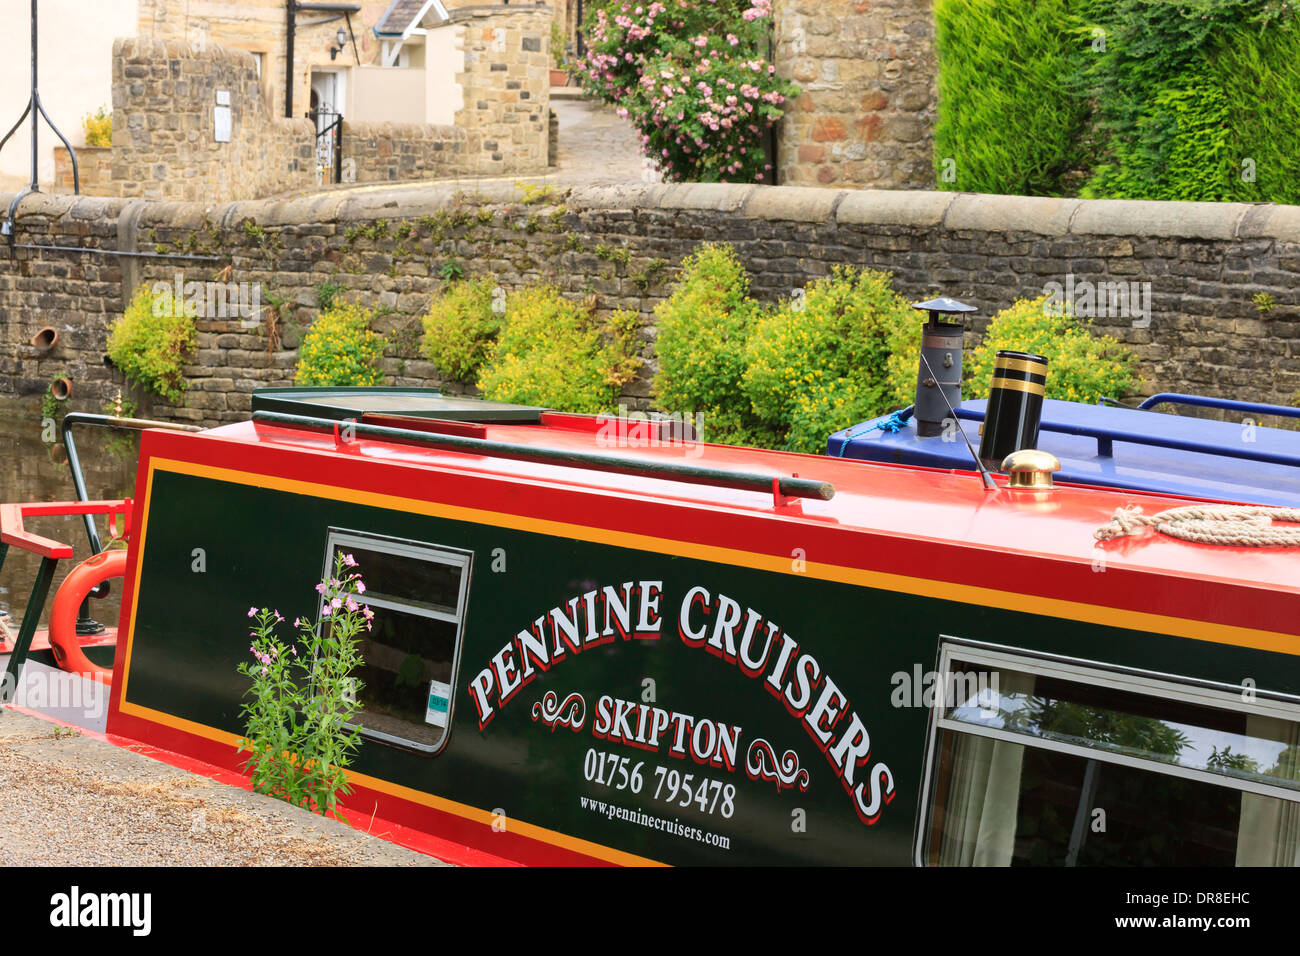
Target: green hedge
(1010, 118)
(1120, 99)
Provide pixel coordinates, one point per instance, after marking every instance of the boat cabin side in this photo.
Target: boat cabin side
(574, 665)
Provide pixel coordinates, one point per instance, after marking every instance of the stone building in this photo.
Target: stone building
(867, 74)
(382, 91)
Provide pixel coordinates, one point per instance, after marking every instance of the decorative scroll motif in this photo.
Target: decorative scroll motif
(571, 712)
(761, 764)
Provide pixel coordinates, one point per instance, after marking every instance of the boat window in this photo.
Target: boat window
(1041, 762)
(418, 594)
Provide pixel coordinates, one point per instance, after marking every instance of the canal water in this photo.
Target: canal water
(32, 469)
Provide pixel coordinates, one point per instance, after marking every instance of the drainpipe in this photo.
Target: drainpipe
(290, 7)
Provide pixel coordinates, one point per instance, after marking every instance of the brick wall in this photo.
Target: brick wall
(867, 73)
(1205, 262)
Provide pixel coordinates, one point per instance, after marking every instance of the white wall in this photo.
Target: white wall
(412, 94)
(444, 57)
(387, 95)
(75, 74)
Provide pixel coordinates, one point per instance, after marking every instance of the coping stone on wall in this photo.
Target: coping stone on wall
(1267, 221)
(618, 196)
(716, 197)
(90, 208)
(792, 203)
(1175, 220)
(1043, 215)
(894, 207)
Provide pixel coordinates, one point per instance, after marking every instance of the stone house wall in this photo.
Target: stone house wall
(260, 27)
(867, 74)
(506, 87)
(164, 146)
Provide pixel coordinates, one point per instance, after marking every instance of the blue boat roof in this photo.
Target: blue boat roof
(1114, 447)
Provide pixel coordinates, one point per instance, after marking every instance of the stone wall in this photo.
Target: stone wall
(1205, 263)
(867, 72)
(506, 86)
(401, 152)
(164, 145)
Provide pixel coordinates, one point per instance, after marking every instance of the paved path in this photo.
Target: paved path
(76, 800)
(596, 146)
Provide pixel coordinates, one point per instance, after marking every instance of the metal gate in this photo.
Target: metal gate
(329, 146)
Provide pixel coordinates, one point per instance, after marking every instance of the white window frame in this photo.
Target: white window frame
(344, 539)
(1132, 680)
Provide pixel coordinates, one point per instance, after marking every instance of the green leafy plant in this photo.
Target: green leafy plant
(1263, 302)
(704, 327)
(1124, 99)
(819, 362)
(536, 194)
(560, 354)
(461, 325)
(611, 254)
(327, 294)
(557, 46)
(151, 340)
(98, 127)
(340, 348)
(51, 407)
(452, 271)
(300, 724)
(1082, 366)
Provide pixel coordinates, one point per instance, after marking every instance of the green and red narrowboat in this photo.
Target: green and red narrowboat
(601, 642)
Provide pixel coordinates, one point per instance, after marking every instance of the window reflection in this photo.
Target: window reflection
(1016, 797)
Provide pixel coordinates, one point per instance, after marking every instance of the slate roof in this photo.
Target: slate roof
(401, 15)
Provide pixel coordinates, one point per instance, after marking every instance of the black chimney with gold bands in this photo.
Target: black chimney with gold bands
(1015, 405)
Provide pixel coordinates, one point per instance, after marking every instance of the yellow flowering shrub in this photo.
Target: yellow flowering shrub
(559, 354)
(1081, 366)
(460, 327)
(150, 342)
(704, 327)
(819, 360)
(340, 348)
(98, 127)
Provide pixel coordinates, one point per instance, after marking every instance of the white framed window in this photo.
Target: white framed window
(1040, 760)
(418, 593)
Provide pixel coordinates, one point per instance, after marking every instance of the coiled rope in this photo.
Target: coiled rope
(1245, 526)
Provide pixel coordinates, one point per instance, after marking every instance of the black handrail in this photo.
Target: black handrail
(85, 624)
(74, 463)
(786, 485)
